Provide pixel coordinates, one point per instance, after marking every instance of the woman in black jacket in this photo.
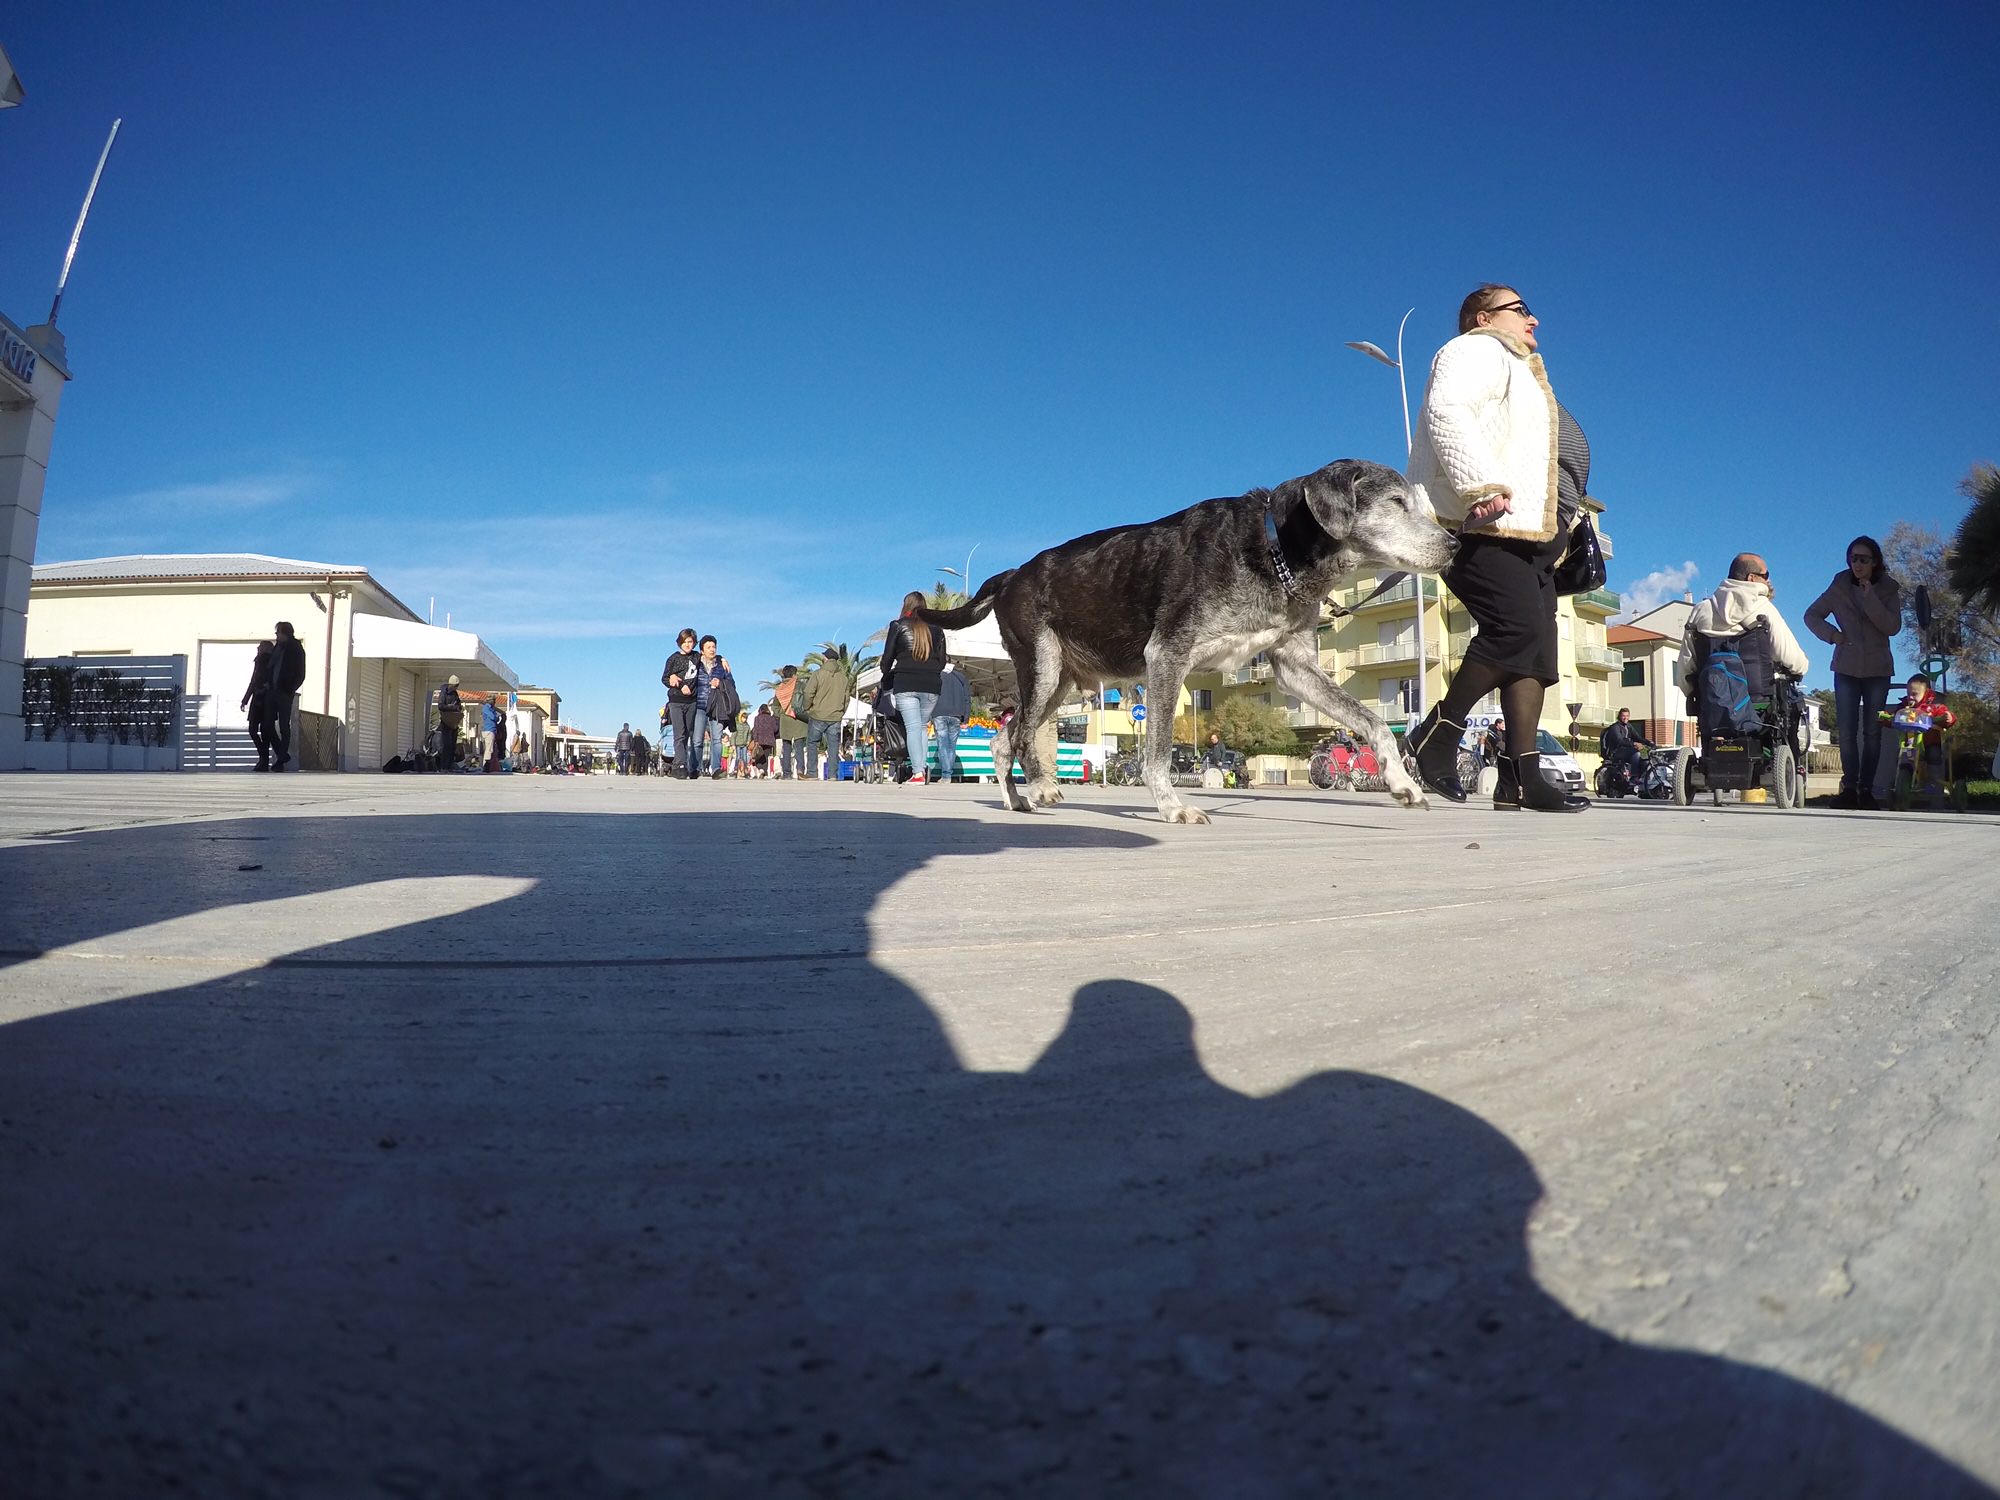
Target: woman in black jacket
(678, 677)
(255, 697)
(912, 670)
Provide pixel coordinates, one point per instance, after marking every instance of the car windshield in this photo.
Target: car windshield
(1548, 744)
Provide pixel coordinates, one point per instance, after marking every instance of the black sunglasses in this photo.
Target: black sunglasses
(1516, 306)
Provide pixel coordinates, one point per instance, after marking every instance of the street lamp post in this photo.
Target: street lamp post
(1375, 352)
(965, 577)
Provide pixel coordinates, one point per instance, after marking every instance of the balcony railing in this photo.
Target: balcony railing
(1379, 656)
(1604, 540)
(1403, 593)
(1595, 713)
(1604, 601)
(1601, 657)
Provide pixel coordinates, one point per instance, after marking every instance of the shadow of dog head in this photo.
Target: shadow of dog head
(1370, 513)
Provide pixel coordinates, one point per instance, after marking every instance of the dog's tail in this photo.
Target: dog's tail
(975, 609)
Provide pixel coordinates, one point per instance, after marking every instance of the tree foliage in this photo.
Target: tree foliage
(1254, 728)
(838, 654)
(1975, 551)
(1917, 555)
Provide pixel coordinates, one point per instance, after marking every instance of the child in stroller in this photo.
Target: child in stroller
(1920, 721)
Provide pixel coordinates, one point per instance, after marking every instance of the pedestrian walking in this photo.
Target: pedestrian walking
(954, 707)
(288, 675)
(622, 748)
(912, 668)
(679, 677)
(716, 707)
(492, 723)
(1859, 614)
(825, 695)
(764, 741)
(1500, 461)
(451, 715)
(791, 723)
(255, 698)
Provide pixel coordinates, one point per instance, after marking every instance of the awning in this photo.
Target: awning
(433, 653)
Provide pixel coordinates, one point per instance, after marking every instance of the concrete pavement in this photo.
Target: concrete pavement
(575, 1136)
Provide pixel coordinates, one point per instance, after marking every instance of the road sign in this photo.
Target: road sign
(1138, 713)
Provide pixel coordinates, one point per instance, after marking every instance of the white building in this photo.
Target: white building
(371, 662)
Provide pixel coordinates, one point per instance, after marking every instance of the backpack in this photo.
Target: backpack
(1724, 693)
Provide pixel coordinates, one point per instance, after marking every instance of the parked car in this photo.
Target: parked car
(1558, 765)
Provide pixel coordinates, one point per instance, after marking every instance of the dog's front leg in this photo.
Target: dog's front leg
(1295, 665)
(1166, 670)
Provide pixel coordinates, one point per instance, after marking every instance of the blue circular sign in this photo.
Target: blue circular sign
(1138, 713)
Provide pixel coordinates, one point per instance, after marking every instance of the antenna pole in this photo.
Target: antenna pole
(77, 234)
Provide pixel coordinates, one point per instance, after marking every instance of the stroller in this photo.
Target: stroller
(891, 761)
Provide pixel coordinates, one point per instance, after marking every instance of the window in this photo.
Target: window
(1204, 698)
(1635, 674)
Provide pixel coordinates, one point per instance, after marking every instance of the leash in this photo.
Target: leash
(1288, 580)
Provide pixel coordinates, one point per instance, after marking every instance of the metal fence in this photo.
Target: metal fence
(103, 713)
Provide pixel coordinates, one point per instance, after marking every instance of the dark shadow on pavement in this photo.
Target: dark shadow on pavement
(654, 1224)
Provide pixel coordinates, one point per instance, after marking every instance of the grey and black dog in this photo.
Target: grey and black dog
(1208, 588)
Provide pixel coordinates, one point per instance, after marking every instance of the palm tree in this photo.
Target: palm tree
(944, 596)
(836, 654)
(1975, 551)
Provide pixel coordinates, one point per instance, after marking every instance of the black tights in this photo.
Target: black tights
(1520, 701)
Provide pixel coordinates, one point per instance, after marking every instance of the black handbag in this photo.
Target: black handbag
(1582, 566)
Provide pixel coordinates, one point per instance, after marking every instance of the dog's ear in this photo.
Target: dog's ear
(1330, 494)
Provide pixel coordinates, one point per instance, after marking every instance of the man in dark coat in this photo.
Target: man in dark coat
(288, 675)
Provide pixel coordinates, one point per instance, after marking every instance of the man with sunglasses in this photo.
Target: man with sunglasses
(1739, 602)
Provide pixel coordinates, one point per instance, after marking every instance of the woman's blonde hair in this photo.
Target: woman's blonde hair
(920, 630)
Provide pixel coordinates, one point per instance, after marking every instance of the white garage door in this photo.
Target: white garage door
(219, 736)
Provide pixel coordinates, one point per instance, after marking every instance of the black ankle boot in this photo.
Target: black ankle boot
(1433, 750)
(1507, 786)
(1539, 794)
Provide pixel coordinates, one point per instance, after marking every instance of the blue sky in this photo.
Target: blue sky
(595, 321)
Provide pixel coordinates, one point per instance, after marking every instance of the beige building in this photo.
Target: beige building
(371, 662)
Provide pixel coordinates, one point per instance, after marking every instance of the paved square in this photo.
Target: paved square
(576, 1136)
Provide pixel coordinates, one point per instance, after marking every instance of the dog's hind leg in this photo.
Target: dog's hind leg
(1295, 665)
(1166, 670)
(1038, 673)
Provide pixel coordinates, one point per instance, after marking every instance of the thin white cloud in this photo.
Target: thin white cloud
(195, 502)
(1656, 588)
(608, 574)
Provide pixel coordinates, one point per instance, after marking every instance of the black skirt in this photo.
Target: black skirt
(1509, 587)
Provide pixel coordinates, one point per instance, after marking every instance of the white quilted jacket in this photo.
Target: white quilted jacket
(1489, 419)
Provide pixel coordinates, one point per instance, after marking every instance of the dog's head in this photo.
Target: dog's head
(1372, 518)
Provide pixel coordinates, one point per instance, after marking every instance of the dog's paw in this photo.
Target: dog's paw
(1184, 815)
(1049, 798)
(1411, 796)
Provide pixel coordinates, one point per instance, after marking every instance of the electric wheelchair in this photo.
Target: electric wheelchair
(1770, 756)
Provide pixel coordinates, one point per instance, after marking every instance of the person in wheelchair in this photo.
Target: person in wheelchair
(1765, 714)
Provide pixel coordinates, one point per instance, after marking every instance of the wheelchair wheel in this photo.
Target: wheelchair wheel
(1321, 772)
(1784, 777)
(1683, 763)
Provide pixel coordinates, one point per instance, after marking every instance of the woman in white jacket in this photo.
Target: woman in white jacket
(1500, 462)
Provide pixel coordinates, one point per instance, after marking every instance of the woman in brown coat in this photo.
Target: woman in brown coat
(1859, 615)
